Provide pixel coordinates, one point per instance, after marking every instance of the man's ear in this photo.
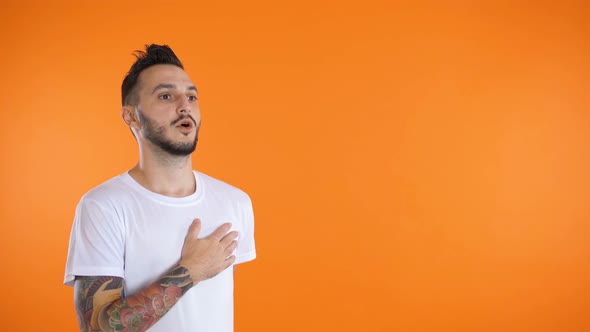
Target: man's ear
(129, 116)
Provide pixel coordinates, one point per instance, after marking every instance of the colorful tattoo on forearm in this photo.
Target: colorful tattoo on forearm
(92, 294)
(142, 310)
(137, 312)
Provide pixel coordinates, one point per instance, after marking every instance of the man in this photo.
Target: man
(151, 248)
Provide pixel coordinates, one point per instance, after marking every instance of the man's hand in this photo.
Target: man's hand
(205, 258)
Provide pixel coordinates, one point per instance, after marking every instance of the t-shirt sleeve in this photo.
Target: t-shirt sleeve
(96, 242)
(246, 250)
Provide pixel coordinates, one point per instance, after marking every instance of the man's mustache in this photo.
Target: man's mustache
(182, 117)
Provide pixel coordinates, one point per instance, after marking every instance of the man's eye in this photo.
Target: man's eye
(192, 98)
(165, 97)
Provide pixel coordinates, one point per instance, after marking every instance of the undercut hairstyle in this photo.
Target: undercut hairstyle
(153, 55)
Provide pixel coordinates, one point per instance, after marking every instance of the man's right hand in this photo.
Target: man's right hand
(205, 258)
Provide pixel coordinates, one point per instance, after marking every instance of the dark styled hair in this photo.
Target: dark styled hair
(153, 55)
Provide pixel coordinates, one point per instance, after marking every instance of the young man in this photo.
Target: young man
(151, 248)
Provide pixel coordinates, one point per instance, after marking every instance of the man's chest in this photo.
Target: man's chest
(155, 236)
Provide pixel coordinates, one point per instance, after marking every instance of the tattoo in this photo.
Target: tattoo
(137, 312)
(177, 277)
(142, 310)
(92, 294)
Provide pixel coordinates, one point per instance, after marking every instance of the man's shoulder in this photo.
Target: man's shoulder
(219, 186)
(111, 190)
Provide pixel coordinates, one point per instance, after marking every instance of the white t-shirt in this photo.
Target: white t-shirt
(122, 229)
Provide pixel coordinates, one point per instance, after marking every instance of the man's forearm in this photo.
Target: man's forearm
(140, 311)
(136, 312)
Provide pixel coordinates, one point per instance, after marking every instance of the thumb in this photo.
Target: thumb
(195, 228)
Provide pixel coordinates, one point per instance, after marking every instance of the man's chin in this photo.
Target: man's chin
(182, 151)
(179, 150)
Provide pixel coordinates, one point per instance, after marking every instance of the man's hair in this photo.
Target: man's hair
(153, 55)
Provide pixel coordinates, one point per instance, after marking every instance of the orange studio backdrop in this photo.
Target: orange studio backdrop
(416, 167)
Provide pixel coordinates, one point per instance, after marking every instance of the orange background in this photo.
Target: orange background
(418, 167)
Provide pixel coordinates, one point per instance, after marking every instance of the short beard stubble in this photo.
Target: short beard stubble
(155, 134)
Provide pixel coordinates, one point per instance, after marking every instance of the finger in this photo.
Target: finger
(231, 247)
(228, 238)
(221, 231)
(229, 261)
(194, 229)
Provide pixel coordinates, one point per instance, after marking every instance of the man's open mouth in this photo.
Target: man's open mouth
(187, 123)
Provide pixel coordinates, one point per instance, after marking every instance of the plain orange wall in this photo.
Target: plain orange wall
(412, 168)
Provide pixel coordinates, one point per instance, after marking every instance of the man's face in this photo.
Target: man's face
(168, 110)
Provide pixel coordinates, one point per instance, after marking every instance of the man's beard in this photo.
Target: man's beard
(155, 134)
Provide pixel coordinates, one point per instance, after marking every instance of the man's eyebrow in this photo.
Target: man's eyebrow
(172, 86)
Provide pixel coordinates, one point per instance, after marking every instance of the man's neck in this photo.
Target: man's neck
(171, 177)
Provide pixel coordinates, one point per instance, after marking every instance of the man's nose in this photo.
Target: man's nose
(184, 107)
